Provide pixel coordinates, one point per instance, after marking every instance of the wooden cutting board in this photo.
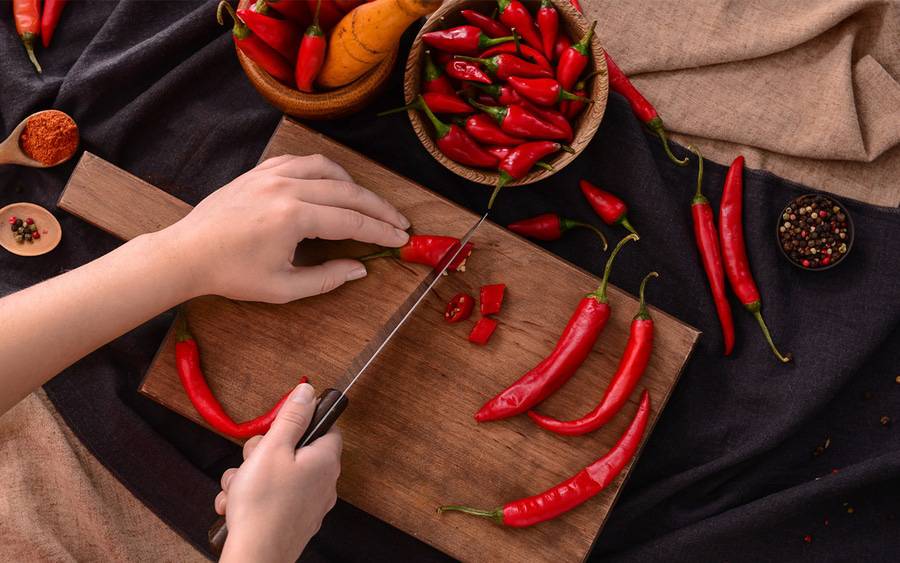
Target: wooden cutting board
(411, 442)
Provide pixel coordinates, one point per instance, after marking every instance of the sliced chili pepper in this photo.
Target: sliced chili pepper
(50, 18)
(562, 43)
(459, 308)
(573, 347)
(502, 94)
(487, 24)
(492, 298)
(548, 24)
(504, 66)
(296, 10)
(523, 51)
(434, 79)
(482, 331)
(428, 250)
(552, 117)
(631, 367)
(455, 142)
(485, 130)
(574, 60)
(312, 54)
(462, 40)
(609, 207)
(254, 47)
(641, 108)
(708, 244)
(543, 91)
(281, 35)
(27, 14)
(551, 226)
(572, 108)
(576, 490)
(577, 5)
(465, 70)
(516, 16)
(516, 120)
(734, 250)
(521, 160)
(503, 152)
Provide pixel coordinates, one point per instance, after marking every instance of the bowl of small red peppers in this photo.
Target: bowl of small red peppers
(815, 232)
(506, 92)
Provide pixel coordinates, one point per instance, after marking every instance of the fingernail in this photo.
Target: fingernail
(356, 273)
(404, 223)
(402, 235)
(303, 394)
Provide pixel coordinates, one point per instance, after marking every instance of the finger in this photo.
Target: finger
(306, 281)
(220, 502)
(336, 193)
(335, 223)
(250, 445)
(329, 445)
(292, 419)
(312, 167)
(227, 477)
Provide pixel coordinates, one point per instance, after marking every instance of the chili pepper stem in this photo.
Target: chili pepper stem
(28, 41)
(504, 179)
(600, 294)
(656, 125)
(569, 224)
(544, 165)
(698, 195)
(643, 313)
(496, 515)
(182, 333)
(754, 308)
(382, 254)
(627, 224)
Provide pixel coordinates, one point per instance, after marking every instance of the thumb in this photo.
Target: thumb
(306, 281)
(292, 420)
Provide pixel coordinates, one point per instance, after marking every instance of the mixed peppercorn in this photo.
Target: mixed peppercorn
(814, 231)
(24, 230)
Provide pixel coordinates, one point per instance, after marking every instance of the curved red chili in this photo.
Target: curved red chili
(708, 244)
(522, 51)
(548, 25)
(434, 80)
(465, 70)
(487, 24)
(516, 120)
(734, 250)
(281, 35)
(503, 152)
(631, 367)
(500, 93)
(551, 226)
(552, 117)
(462, 40)
(574, 60)
(454, 141)
(573, 347)
(459, 308)
(521, 160)
(576, 490)
(50, 18)
(608, 206)
(542, 91)
(572, 108)
(439, 102)
(516, 16)
(562, 43)
(255, 48)
(27, 14)
(505, 66)
(428, 250)
(485, 130)
(312, 54)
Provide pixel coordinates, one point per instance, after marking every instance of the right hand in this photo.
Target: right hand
(276, 500)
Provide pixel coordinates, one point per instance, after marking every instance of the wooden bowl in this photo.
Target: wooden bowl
(319, 105)
(48, 226)
(585, 126)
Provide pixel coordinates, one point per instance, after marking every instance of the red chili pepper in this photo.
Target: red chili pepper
(492, 298)
(485, 130)
(187, 361)
(297, 11)
(462, 40)
(548, 24)
(641, 108)
(438, 102)
(428, 250)
(482, 331)
(501, 94)
(523, 51)
(574, 60)
(281, 35)
(312, 54)
(516, 16)
(609, 207)
(572, 108)
(562, 44)
(504, 66)
(459, 308)
(521, 160)
(573, 347)
(434, 80)
(454, 141)
(516, 120)
(503, 152)
(329, 15)
(734, 250)
(576, 490)
(27, 14)
(708, 244)
(551, 226)
(254, 47)
(631, 367)
(50, 18)
(542, 91)
(577, 6)
(489, 25)
(552, 117)
(465, 70)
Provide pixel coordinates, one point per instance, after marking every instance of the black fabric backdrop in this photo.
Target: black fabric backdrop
(729, 473)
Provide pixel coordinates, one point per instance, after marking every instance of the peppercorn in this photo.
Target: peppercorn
(885, 421)
(24, 231)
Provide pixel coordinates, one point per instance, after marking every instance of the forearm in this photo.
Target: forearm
(47, 327)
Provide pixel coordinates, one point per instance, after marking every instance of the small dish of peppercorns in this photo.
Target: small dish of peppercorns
(30, 229)
(815, 232)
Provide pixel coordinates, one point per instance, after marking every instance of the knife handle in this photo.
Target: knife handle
(322, 420)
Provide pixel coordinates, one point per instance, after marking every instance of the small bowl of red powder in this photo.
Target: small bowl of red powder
(49, 137)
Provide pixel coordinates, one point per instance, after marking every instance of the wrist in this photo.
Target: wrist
(250, 546)
(175, 269)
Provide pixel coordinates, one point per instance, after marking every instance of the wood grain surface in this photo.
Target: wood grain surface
(411, 443)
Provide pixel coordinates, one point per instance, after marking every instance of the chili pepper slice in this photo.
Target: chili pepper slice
(734, 250)
(428, 250)
(573, 347)
(576, 490)
(501, 94)
(281, 35)
(523, 51)
(521, 160)
(295, 10)
(609, 207)
(631, 367)
(50, 18)
(462, 40)
(492, 298)
(708, 244)
(516, 120)
(516, 16)
(255, 48)
(465, 70)
(505, 66)
(490, 26)
(562, 44)
(485, 130)
(548, 24)
(434, 79)
(482, 331)
(459, 308)
(543, 91)
(312, 54)
(551, 226)
(574, 60)
(27, 14)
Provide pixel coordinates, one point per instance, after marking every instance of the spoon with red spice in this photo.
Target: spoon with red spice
(43, 139)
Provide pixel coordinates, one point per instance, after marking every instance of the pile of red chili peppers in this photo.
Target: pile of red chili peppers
(33, 22)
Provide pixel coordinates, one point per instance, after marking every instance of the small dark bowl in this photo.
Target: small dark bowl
(797, 201)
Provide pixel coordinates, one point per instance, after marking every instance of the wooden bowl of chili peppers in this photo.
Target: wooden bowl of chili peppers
(505, 113)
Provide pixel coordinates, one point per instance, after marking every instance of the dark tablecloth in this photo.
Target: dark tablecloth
(729, 473)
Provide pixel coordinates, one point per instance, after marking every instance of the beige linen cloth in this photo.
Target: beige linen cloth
(804, 88)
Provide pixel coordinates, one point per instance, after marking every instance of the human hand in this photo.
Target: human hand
(239, 242)
(276, 500)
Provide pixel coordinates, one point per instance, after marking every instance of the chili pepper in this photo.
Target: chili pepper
(516, 16)
(187, 361)
(576, 490)
(577, 5)
(542, 91)
(296, 10)
(492, 298)
(485, 130)
(487, 24)
(631, 367)
(573, 347)
(521, 160)
(562, 44)
(574, 60)
(548, 24)
(312, 54)
(572, 108)
(329, 14)
(50, 18)
(503, 152)
(459, 308)
(27, 14)
(255, 48)
(551, 226)
(428, 250)
(708, 245)
(454, 141)
(641, 108)
(461, 40)
(281, 35)
(516, 120)
(465, 70)
(504, 66)
(734, 250)
(482, 331)
(438, 102)
(523, 51)
(552, 117)
(609, 207)
(502, 94)
(434, 80)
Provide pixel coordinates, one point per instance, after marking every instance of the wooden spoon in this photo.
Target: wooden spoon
(48, 226)
(11, 152)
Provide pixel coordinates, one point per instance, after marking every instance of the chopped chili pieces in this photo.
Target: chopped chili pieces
(459, 308)
(482, 331)
(492, 298)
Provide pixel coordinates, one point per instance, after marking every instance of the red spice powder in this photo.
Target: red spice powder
(49, 137)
